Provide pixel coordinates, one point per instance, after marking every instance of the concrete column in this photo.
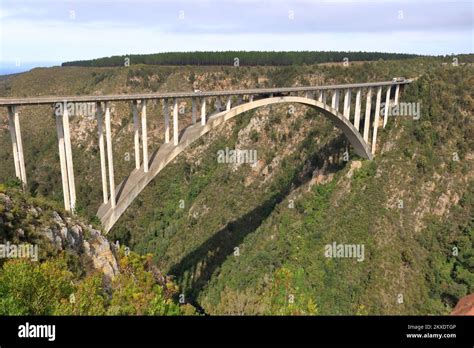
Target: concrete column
(203, 111)
(103, 168)
(335, 100)
(62, 161)
(194, 110)
(320, 96)
(368, 108)
(250, 98)
(11, 126)
(240, 100)
(69, 163)
(144, 136)
(218, 104)
(376, 120)
(175, 121)
(271, 95)
(325, 94)
(167, 120)
(19, 142)
(347, 103)
(387, 106)
(136, 134)
(397, 92)
(357, 110)
(108, 135)
(227, 105)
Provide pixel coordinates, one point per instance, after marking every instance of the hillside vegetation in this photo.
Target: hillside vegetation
(242, 239)
(75, 270)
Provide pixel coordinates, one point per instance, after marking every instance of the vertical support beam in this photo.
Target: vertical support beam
(357, 109)
(203, 111)
(368, 109)
(397, 93)
(19, 146)
(136, 134)
(21, 158)
(251, 98)
(325, 95)
(227, 105)
(144, 136)
(69, 164)
(11, 126)
(376, 120)
(347, 103)
(387, 106)
(62, 160)
(218, 104)
(335, 100)
(166, 110)
(108, 135)
(175, 121)
(103, 168)
(240, 100)
(194, 110)
(320, 96)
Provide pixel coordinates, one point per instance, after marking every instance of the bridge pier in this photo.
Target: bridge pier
(251, 98)
(347, 103)
(203, 111)
(103, 168)
(357, 109)
(110, 159)
(17, 145)
(368, 109)
(166, 111)
(376, 120)
(144, 136)
(335, 100)
(194, 111)
(397, 92)
(62, 161)
(387, 106)
(218, 104)
(228, 102)
(136, 134)
(69, 163)
(175, 122)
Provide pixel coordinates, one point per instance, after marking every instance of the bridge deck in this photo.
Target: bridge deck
(129, 97)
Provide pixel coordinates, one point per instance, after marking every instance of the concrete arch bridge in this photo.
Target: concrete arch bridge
(333, 101)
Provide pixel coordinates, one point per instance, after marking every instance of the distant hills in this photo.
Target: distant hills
(239, 58)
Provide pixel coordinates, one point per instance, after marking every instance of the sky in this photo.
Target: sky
(44, 33)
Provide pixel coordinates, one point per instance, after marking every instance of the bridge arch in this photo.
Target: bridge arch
(138, 179)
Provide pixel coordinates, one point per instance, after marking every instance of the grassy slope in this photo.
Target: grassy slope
(222, 211)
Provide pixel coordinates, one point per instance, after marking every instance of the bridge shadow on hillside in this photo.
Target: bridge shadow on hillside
(195, 270)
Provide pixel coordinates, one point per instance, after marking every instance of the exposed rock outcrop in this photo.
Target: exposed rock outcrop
(52, 231)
